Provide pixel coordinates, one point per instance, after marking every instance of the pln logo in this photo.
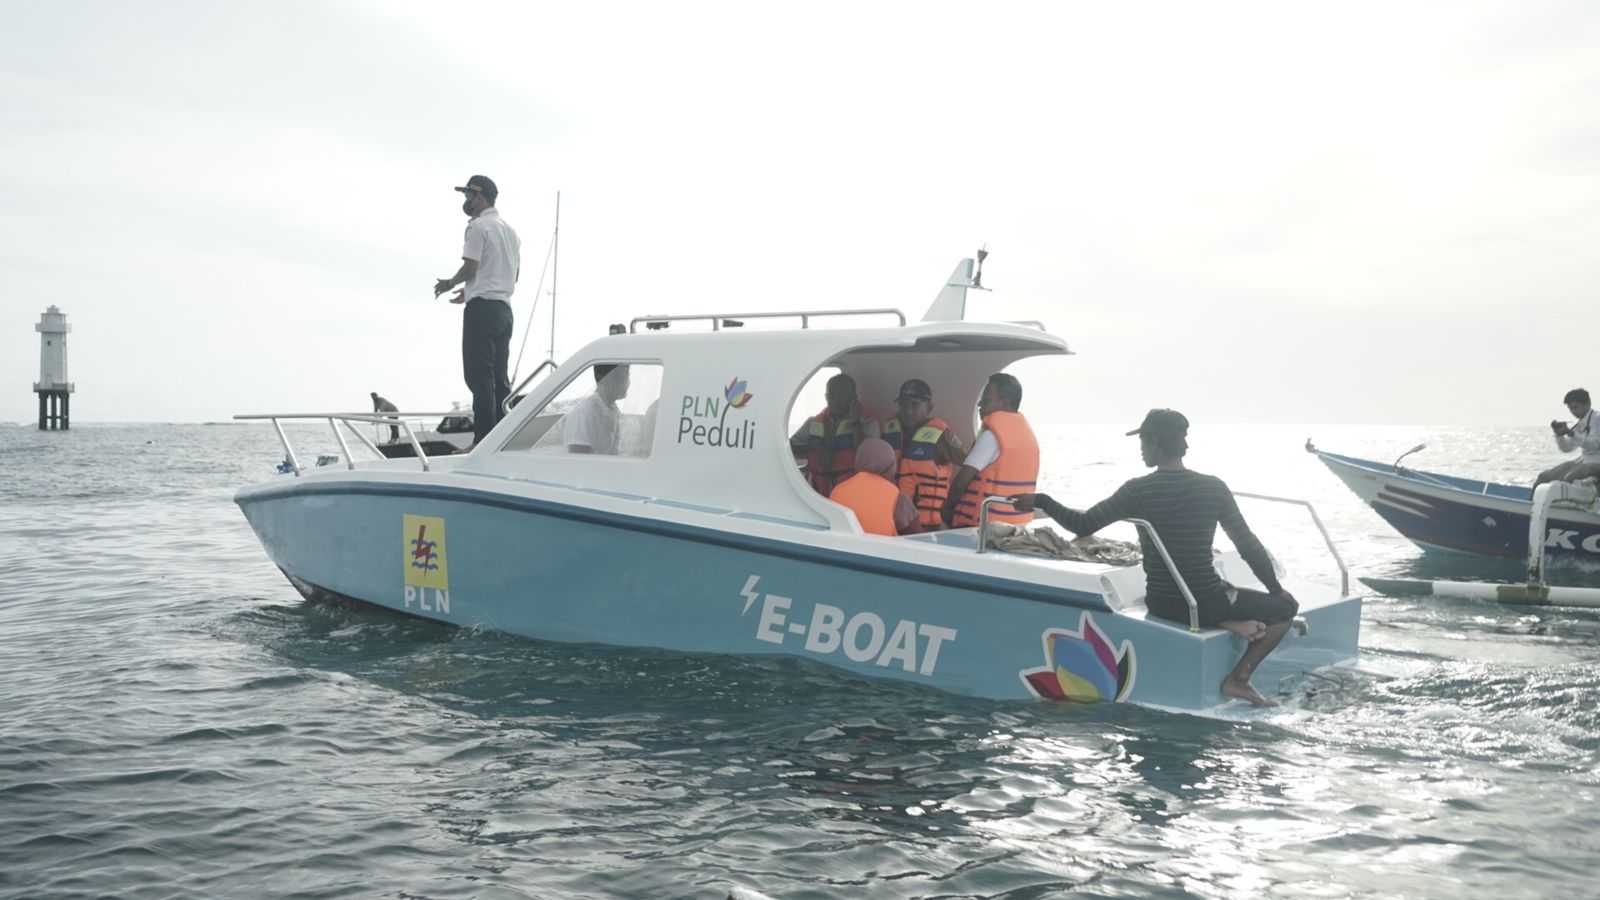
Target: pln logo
(703, 419)
(1081, 667)
(427, 572)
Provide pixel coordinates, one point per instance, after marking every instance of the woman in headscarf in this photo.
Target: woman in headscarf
(873, 494)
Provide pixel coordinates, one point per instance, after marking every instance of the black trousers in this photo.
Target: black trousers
(1216, 609)
(485, 354)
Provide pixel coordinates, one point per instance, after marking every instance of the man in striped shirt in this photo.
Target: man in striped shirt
(1185, 508)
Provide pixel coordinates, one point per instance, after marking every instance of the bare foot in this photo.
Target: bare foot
(1243, 690)
(1249, 629)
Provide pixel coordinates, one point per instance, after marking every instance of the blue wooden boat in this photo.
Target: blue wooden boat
(1462, 515)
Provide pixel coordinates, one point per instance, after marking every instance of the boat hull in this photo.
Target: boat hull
(570, 572)
(1440, 512)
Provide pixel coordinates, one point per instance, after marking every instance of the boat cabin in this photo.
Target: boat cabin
(704, 419)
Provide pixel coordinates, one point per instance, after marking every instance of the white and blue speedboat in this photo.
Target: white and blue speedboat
(701, 534)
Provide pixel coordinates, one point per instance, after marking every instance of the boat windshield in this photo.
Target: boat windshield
(604, 409)
(455, 425)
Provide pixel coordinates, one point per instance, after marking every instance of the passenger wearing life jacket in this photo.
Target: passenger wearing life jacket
(1004, 460)
(872, 495)
(928, 452)
(828, 440)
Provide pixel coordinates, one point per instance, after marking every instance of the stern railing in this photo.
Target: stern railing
(1344, 573)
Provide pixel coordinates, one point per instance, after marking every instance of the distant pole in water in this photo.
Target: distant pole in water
(555, 269)
(53, 388)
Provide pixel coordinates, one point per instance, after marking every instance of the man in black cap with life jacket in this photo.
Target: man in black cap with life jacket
(491, 259)
(926, 452)
(1185, 508)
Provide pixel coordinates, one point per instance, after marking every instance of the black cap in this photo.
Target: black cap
(915, 389)
(483, 184)
(1163, 424)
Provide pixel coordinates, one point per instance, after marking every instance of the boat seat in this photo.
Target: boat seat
(1124, 589)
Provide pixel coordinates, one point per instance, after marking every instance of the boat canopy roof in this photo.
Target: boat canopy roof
(715, 432)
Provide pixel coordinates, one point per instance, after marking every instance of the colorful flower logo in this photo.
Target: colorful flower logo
(1080, 666)
(735, 394)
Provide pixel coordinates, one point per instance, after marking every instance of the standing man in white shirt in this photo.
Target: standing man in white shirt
(491, 258)
(1583, 434)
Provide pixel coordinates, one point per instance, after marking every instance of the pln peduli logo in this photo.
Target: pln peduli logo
(703, 419)
(1081, 667)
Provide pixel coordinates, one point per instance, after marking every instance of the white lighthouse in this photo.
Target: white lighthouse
(53, 388)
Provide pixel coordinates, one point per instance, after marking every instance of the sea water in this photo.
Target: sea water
(176, 722)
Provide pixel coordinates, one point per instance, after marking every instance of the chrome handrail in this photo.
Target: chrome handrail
(367, 418)
(983, 519)
(1183, 586)
(804, 316)
(363, 439)
(397, 414)
(1344, 573)
(549, 363)
(339, 436)
(288, 451)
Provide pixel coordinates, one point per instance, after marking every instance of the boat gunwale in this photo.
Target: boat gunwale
(858, 561)
(1387, 470)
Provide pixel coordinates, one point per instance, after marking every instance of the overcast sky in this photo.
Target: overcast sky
(1333, 212)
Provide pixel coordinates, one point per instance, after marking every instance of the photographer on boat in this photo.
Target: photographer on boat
(1584, 434)
(1185, 508)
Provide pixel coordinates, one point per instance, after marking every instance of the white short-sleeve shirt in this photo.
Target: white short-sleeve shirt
(1585, 436)
(985, 450)
(493, 245)
(593, 423)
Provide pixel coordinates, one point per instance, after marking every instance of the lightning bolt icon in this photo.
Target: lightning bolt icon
(749, 592)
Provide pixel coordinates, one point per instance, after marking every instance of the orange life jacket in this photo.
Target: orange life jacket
(871, 497)
(830, 461)
(920, 475)
(1014, 471)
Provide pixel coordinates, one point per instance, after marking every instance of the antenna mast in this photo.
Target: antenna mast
(555, 269)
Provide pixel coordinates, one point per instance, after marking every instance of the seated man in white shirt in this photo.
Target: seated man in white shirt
(1582, 435)
(595, 424)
